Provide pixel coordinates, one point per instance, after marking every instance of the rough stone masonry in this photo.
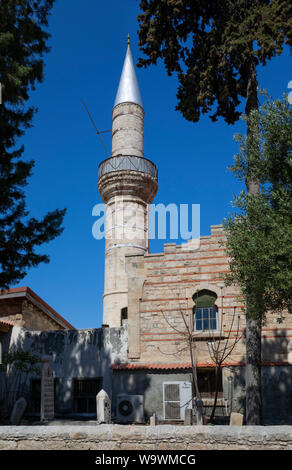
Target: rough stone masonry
(165, 437)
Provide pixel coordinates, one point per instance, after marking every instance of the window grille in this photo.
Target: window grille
(84, 395)
(35, 395)
(207, 383)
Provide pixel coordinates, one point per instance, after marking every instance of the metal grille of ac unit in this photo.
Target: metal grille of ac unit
(125, 408)
(171, 392)
(177, 397)
(130, 409)
(172, 401)
(172, 410)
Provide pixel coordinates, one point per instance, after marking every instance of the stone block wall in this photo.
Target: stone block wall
(128, 130)
(28, 315)
(35, 319)
(115, 437)
(171, 280)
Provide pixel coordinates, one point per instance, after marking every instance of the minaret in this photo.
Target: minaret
(127, 183)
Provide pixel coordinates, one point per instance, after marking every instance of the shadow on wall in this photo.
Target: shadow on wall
(76, 355)
(149, 384)
(5, 341)
(90, 353)
(276, 380)
(276, 383)
(130, 383)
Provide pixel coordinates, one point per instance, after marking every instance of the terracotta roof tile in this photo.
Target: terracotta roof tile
(185, 365)
(6, 322)
(168, 366)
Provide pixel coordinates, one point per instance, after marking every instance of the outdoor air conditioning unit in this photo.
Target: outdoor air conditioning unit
(130, 409)
(177, 397)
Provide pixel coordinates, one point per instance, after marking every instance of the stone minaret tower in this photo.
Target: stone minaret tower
(127, 183)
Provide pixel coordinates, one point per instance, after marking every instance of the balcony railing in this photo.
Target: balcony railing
(127, 162)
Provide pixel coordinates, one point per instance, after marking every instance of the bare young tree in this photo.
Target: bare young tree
(189, 345)
(220, 348)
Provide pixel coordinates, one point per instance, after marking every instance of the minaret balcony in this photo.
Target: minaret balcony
(127, 163)
(130, 175)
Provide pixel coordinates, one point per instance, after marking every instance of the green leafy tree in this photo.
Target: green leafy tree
(259, 233)
(23, 42)
(215, 47)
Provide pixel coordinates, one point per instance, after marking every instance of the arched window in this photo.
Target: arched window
(205, 311)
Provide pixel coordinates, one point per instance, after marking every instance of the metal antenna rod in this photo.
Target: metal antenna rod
(97, 131)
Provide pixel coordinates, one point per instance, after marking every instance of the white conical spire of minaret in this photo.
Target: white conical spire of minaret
(128, 90)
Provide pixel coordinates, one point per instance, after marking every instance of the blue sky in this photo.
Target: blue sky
(88, 43)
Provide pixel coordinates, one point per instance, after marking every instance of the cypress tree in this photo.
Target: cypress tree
(23, 43)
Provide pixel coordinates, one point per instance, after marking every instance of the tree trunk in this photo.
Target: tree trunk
(217, 372)
(195, 378)
(253, 323)
(194, 369)
(253, 371)
(252, 184)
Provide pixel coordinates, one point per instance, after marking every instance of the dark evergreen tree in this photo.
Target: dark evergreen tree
(215, 48)
(23, 43)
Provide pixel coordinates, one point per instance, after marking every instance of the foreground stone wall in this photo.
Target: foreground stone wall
(114, 437)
